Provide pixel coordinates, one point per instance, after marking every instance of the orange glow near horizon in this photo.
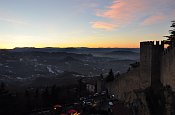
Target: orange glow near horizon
(90, 42)
(76, 46)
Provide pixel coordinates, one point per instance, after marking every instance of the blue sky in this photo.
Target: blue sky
(83, 23)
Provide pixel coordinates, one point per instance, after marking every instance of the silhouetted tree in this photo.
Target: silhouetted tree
(28, 98)
(129, 69)
(6, 101)
(54, 93)
(110, 76)
(118, 74)
(36, 93)
(172, 32)
(101, 76)
(27, 94)
(3, 89)
(45, 97)
(2, 85)
(171, 37)
(80, 87)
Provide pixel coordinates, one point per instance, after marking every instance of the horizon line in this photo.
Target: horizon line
(66, 47)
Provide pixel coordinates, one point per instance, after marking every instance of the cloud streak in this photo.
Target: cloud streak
(153, 19)
(10, 18)
(12, 21)
(123, 12)
(103, 25)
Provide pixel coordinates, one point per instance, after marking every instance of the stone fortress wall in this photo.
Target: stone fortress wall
(168, 67)
(156, 66)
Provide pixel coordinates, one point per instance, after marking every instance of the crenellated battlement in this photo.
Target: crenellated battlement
(147, 43)
(151, 43)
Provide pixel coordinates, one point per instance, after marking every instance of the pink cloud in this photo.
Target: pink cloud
(103, 25)
(153, 35)
(153, 19)
(123, 12)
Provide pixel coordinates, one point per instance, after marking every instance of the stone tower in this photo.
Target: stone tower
(150, 62)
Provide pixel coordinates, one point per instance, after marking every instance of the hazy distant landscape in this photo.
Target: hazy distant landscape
(87, 57)
(27, 66)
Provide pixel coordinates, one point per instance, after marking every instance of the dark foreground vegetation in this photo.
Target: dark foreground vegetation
(32, 99)
(56, 100)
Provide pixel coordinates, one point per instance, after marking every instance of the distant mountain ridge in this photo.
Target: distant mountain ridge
(72, 49)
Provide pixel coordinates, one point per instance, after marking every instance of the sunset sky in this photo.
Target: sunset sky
(83, 23)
